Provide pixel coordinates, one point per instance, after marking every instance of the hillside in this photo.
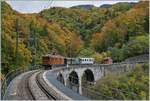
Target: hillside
(48, 35)
(84, 21)
(83, 7)
(125, 35)
(119, 31)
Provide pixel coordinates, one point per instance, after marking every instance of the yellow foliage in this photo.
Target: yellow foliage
(98, 57)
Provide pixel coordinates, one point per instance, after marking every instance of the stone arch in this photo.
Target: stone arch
(87, 80)
(73, 81)
(60, 78)
(88, 76)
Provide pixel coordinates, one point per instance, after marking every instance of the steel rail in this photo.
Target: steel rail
(50, 96)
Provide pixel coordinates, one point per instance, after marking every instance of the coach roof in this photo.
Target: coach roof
(53, 56)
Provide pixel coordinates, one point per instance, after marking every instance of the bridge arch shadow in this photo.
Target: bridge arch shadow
(88, 77)
(73, 81)
(60, 78)
(87, 80)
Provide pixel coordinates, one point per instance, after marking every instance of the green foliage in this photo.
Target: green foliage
(132, 86)
(121, 28)
(117, 54)
(36, 36)
(137, 45)
(86, 52)
(84, 21)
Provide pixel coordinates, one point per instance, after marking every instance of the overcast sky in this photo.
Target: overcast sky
(35, 6)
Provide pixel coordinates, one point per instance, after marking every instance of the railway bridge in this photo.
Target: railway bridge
(58, 82)
(64, 81)
(73, 76)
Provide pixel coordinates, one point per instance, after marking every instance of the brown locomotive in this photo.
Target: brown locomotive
(51, 59)
(107, 60)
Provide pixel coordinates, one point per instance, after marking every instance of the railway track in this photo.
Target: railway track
(34, 91)
(24, 91)
(50, 96)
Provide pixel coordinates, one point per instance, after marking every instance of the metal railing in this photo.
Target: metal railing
(8, 78)
(11, 75)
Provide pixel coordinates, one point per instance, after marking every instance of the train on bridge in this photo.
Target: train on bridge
(50, 60)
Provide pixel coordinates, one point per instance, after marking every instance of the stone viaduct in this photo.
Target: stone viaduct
(92, 73)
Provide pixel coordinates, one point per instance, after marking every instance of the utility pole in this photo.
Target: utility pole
(32, 46)
(17, 42)
(28, 43)
(70, 49)
(70, 52)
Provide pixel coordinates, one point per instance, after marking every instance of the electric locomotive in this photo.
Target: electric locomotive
(50, 59)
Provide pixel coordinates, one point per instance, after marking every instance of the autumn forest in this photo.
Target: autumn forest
(119, 31)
